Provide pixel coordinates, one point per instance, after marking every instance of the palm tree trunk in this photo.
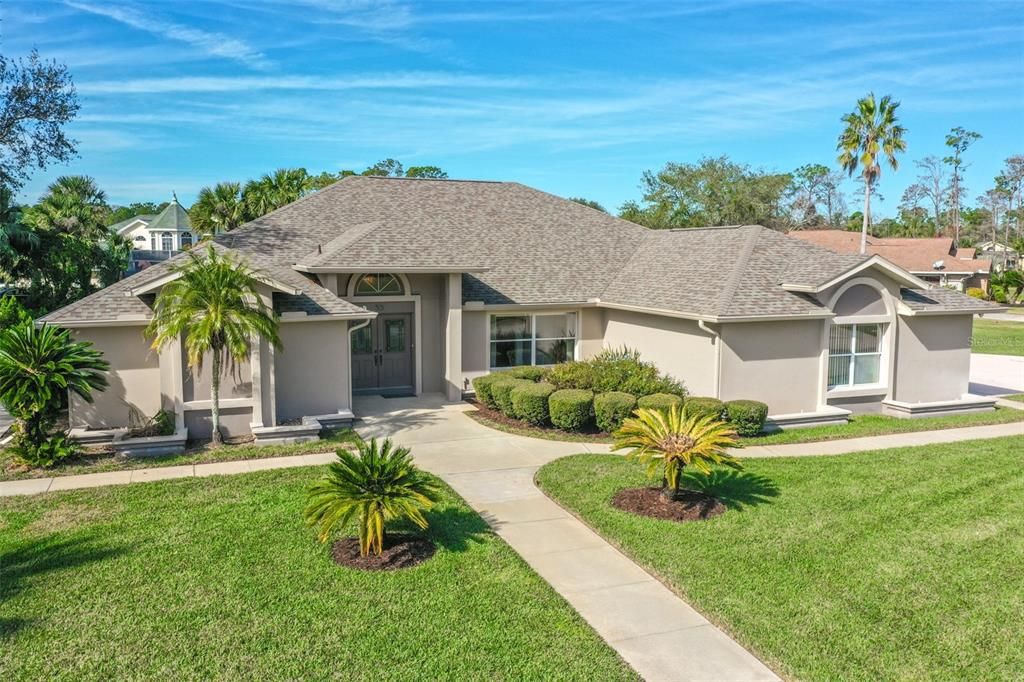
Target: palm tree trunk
(867, 217)
(215, 399)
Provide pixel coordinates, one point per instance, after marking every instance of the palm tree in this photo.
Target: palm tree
(218, 210)
(871, 132)
(271, 192)
(672, 441)
(38, 366)
(215, 305)
(73, 204)
(376, 485)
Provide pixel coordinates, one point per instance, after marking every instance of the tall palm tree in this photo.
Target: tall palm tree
(215, 305)
(671, 441)
(377, 485)
(872, 131)
(275, 190)
(73, 204)
(218, 209)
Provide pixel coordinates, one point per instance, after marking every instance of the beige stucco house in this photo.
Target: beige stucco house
(402, 286)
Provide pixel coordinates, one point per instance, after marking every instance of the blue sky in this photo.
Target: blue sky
(576, 98)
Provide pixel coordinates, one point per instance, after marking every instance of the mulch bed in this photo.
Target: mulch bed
(499, 417)
(400, 551)
(691, 505)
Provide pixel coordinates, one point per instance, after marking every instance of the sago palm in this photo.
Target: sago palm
(872, 131)
(375, 485)
(215, 306)
(218, 209)
(670, 441)
(38, 367)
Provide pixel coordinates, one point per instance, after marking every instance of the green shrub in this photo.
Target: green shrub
(530, 373)
(659, 401)
(482, 386)
(612, 408)
(998, 293)
(700, 407)
(530, 402)
(571, 408)
(502, 393)
(975, 292)
(12, 312)
(572, 375)
(747, 416)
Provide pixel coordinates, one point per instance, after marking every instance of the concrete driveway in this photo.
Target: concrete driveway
(996, 374)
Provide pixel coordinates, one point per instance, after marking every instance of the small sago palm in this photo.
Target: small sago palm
(215, 306)
(375, 485)
(670, 441)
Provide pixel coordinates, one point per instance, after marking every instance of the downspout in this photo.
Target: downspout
(364, 323)
(716, 339)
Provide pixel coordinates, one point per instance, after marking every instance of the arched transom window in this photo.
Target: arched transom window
(379, 284)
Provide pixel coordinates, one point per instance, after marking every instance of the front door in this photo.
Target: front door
(382, 359)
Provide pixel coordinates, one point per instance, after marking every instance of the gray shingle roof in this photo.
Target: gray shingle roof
(943, 299)
(516, 244)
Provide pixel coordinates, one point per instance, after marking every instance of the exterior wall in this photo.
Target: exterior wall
(591, 332)
(431, 289)
(475, 359)
(777, 363)
(197, 382)
(234, 422)
(311, 371)
(933, 359)
(134, 378)
(678, 347)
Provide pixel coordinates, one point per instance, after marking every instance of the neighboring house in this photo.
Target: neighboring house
(1001, 256)
(404, 286)
(935, 260)
(156, 238)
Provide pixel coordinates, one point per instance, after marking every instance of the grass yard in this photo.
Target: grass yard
(997, 337)
(219, 578)
(893, 564)
(1016, 397)
(196, 453)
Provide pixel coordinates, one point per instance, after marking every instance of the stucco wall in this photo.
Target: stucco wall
(591, 332)
(678, 347)
(134, 378)
(197, 382)
(933, 360)
(234, 422)
(778, 363)
(311, 370)
(475, 359)
(432, 307)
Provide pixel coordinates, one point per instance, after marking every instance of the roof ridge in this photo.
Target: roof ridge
(740, 266)
(393, 177)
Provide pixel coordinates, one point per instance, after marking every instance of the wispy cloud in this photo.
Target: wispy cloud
(211, 43)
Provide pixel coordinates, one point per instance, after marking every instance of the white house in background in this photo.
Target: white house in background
(157, 237)
(997, 252)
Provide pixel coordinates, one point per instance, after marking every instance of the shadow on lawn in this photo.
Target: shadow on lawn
(456, 529)
(736, 489)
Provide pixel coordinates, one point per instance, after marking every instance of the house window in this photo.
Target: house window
(152, 242)
(537, 339)
(167, 241)
(379, 284)
(854, 355)
(186, 240)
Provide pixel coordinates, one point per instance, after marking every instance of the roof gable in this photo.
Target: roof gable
(173, 218)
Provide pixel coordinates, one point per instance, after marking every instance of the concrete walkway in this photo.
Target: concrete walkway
(996, 374)
(1004, 317)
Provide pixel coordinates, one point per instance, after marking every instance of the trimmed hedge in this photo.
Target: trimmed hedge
(612, 408)
(659, 401)
(571, 408)
(530, 402)
(748, 416)
(502, 393)
(702, 407)
(482, 386)
(614, 369)
(529, 373)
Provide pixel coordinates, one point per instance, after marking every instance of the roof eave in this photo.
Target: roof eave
(427, 270)
(149, 287)
(874, 261)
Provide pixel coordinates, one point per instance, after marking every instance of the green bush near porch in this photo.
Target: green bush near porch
(530, 403)
(501, 391)
(659, 401)
(746, 416)
(612, 408)
(530, 373)
(704, 407)
(571, 408)
(482, 388)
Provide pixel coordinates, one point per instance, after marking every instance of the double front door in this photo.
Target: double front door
(382, 355)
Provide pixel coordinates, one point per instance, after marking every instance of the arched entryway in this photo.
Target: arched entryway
(384, 352)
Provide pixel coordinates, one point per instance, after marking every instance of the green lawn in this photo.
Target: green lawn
(1018, 397)
(997, 337)
(219, 578)
(99, 461)
(893, 564)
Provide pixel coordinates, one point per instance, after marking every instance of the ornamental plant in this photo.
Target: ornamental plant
(375, 485)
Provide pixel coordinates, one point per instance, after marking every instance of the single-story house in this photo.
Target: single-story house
(935, 260)
(1001, 256)
(156, 238)
(408, 286)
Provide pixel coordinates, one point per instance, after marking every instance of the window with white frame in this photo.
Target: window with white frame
(532, 339)
(167, 241)
(854, 355)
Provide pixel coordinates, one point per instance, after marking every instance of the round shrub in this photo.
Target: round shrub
(975, 292)
(482, 386)
(530, 373)
(501, 391)
(612, 408)
(659, 401)
(570, 408)
(530, 402)
(747, 416)
(572, 374)
(702, 407)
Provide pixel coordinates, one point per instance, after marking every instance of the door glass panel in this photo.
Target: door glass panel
(394, 336)
(362, 340)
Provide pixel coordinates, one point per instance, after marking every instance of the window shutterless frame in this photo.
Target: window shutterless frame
(855, 355)
(555, 347)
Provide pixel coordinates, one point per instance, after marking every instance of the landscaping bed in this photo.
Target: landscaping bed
(891, 564)
(220, 578)
(98, 460)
